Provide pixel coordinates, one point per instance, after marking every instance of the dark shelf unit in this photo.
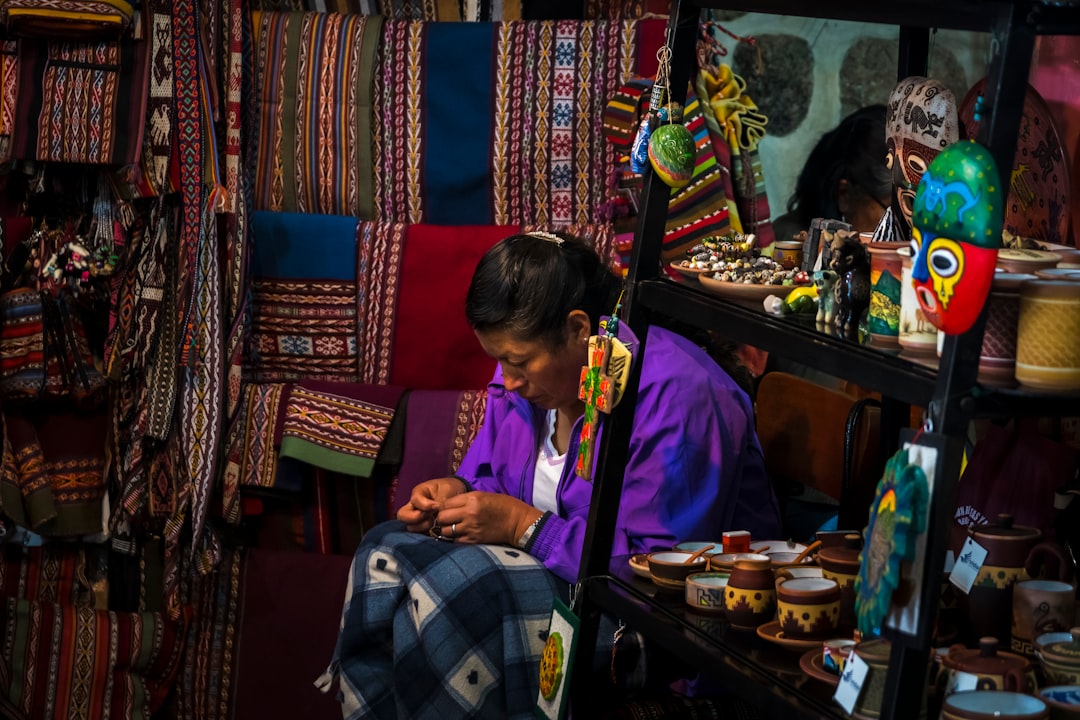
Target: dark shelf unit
(949, 391)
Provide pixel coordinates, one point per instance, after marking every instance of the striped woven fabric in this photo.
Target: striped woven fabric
(8, 85)
(313, 77)
(338, 426)
(81, 102)
(507, 134)
(76, 662)
(304, 298)
(431, 10)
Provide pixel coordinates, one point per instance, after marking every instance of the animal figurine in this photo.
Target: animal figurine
(850, 261)
(824, 281)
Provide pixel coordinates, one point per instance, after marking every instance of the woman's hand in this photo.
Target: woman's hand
(425, 502)
(484, 517)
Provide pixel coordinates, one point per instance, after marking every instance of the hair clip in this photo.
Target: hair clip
(551, 237)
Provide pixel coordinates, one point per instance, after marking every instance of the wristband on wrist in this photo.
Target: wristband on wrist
(527, 536)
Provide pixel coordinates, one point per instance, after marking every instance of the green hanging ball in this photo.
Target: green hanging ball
(671, 154)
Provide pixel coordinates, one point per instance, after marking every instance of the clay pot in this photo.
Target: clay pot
(1013, 552)
(1048, 335)
(1061, 660)
(875, 653)
(918, 336)
(997, 359)
(996, 669)
(808, 607)
(1039, 607)
(750, 599)
(841, 563)
(886, 285)
(788, 253)
(985, 705)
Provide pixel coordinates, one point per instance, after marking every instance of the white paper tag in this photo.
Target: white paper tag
(851, 683)
(967, 565)
(959, 681)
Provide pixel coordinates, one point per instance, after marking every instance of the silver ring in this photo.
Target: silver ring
(453, 530)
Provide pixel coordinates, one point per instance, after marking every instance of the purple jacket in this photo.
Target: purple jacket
(694, 467)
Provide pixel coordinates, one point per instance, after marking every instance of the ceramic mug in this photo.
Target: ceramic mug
(808, 607)
(1040, 606)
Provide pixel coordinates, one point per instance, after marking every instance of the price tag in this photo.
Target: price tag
(851, 683)
(959, 681)
(967, 566)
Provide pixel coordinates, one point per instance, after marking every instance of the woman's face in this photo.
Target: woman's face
(546, 376)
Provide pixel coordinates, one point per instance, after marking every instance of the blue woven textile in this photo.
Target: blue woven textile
(435, 630)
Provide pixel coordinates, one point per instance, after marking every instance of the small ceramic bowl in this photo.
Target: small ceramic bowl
(705, 592)
(724, 562)
(1063, 701)
(790, 572)
(992, 704)
(773, 546)
(694, 546)
(669, 568)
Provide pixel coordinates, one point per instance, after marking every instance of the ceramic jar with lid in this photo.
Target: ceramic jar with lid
(750, 597)
(1013, 552)
(995, 669)
(841, 563)
(997, 359)
(788, 253)
(1061, 660)
(1048, 335)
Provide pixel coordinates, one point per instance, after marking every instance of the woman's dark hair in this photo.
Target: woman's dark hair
(526, 285)
(854, 151)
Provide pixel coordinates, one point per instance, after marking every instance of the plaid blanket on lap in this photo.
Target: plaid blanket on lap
(435, 630)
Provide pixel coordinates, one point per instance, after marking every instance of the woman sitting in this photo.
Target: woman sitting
(429, 625)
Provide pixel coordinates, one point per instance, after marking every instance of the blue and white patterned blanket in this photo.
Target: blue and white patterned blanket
(435, 630)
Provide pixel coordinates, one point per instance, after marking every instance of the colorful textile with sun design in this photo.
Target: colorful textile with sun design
(897, 515)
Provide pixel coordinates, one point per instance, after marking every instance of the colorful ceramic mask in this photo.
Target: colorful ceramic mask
(956, 235)
(922, 121)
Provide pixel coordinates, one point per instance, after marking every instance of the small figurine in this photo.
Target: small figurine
(851, 262)
(825, 281)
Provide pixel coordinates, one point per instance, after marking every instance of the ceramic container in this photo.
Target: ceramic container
(841, 563)
(789, 572)
(987, 704)
(750, 599)
(875, 653)
(725, 562)
(1040, 606)
(997, 359)
(917, 336)
(808, 607)
(835, 652)
(886, 286)
(1048, 335)
(996, 669)
(1013, 552)
(1063, 701)
(705, 592)
(788, 253)
(1026, 261)
(691, 547)
(1059, 273)
(669, 569)
(1061, 660)
(1070, 258)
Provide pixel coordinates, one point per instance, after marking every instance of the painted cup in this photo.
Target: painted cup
(1040, 606)
(705, 592)
(750, 599)
(808, 607)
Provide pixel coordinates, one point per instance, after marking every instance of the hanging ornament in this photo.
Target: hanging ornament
(670, 145)
(603, 381)
(897, 515)
(956, 234)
